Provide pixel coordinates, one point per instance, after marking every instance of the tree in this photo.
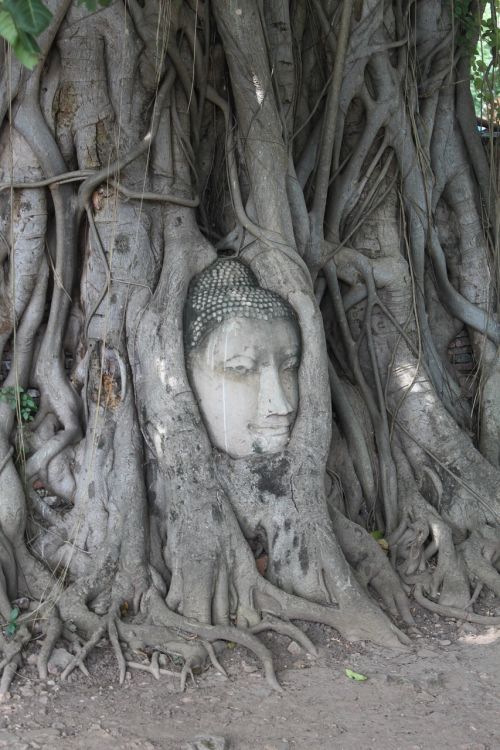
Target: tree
(332, 148)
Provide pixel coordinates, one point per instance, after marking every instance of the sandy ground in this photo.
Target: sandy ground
(444, 693)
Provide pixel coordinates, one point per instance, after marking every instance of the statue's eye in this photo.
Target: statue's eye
(290, 364)
(240, 367)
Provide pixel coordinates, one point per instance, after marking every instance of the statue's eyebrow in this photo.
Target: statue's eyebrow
(240, 355)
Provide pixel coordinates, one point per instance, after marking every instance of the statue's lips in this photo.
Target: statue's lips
(271, 431)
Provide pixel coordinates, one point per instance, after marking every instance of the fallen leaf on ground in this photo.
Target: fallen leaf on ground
(355, 675)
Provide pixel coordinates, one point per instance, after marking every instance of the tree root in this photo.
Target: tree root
(153, 668)
(187, 670)
(457, 614)
(52, 635)
(12, 659)
(213, 633)
(213, 658)
(9, 672)
(286, 628)
(114, 640)
(84, 651)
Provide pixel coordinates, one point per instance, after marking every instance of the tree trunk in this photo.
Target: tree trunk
(329, 149)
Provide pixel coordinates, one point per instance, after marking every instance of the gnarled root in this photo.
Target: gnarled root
(371, 565)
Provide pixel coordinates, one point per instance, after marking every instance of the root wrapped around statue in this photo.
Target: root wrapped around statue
(217, 223)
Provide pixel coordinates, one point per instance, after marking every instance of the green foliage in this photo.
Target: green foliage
(20, 22)
(27, 406)
(479, 36)
(92, 4)
(12, 624)
(355, 675)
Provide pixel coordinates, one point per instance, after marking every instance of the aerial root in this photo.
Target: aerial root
(83, 652)
(455, 612)
(288, 629)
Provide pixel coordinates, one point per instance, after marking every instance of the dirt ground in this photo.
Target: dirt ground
(444, 693)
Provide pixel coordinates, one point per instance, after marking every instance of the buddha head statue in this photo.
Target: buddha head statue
(242, 345)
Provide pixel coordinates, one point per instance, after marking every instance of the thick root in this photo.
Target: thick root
(458, 614)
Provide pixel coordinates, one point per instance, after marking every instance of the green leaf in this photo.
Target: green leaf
(26, 50)
(10, 629)
(14, 614)
(355, 675)
(8, 27)
(29, 15)
(377, 534)
(92, 4)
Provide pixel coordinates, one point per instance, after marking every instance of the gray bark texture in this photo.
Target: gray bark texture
(332, 147)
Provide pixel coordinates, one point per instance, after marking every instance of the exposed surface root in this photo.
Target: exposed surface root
(187, 671)
(8, 675)
(288, 629)
(84, 651)
(213, 658)
(458, 614)
(53, 632)
(115, 642)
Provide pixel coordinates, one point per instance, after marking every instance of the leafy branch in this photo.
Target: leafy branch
(14, 396)
(21, 21)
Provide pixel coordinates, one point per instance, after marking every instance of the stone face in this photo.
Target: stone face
(242, 346)
(245, 377)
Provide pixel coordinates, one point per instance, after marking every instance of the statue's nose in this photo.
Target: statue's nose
(272, 397)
